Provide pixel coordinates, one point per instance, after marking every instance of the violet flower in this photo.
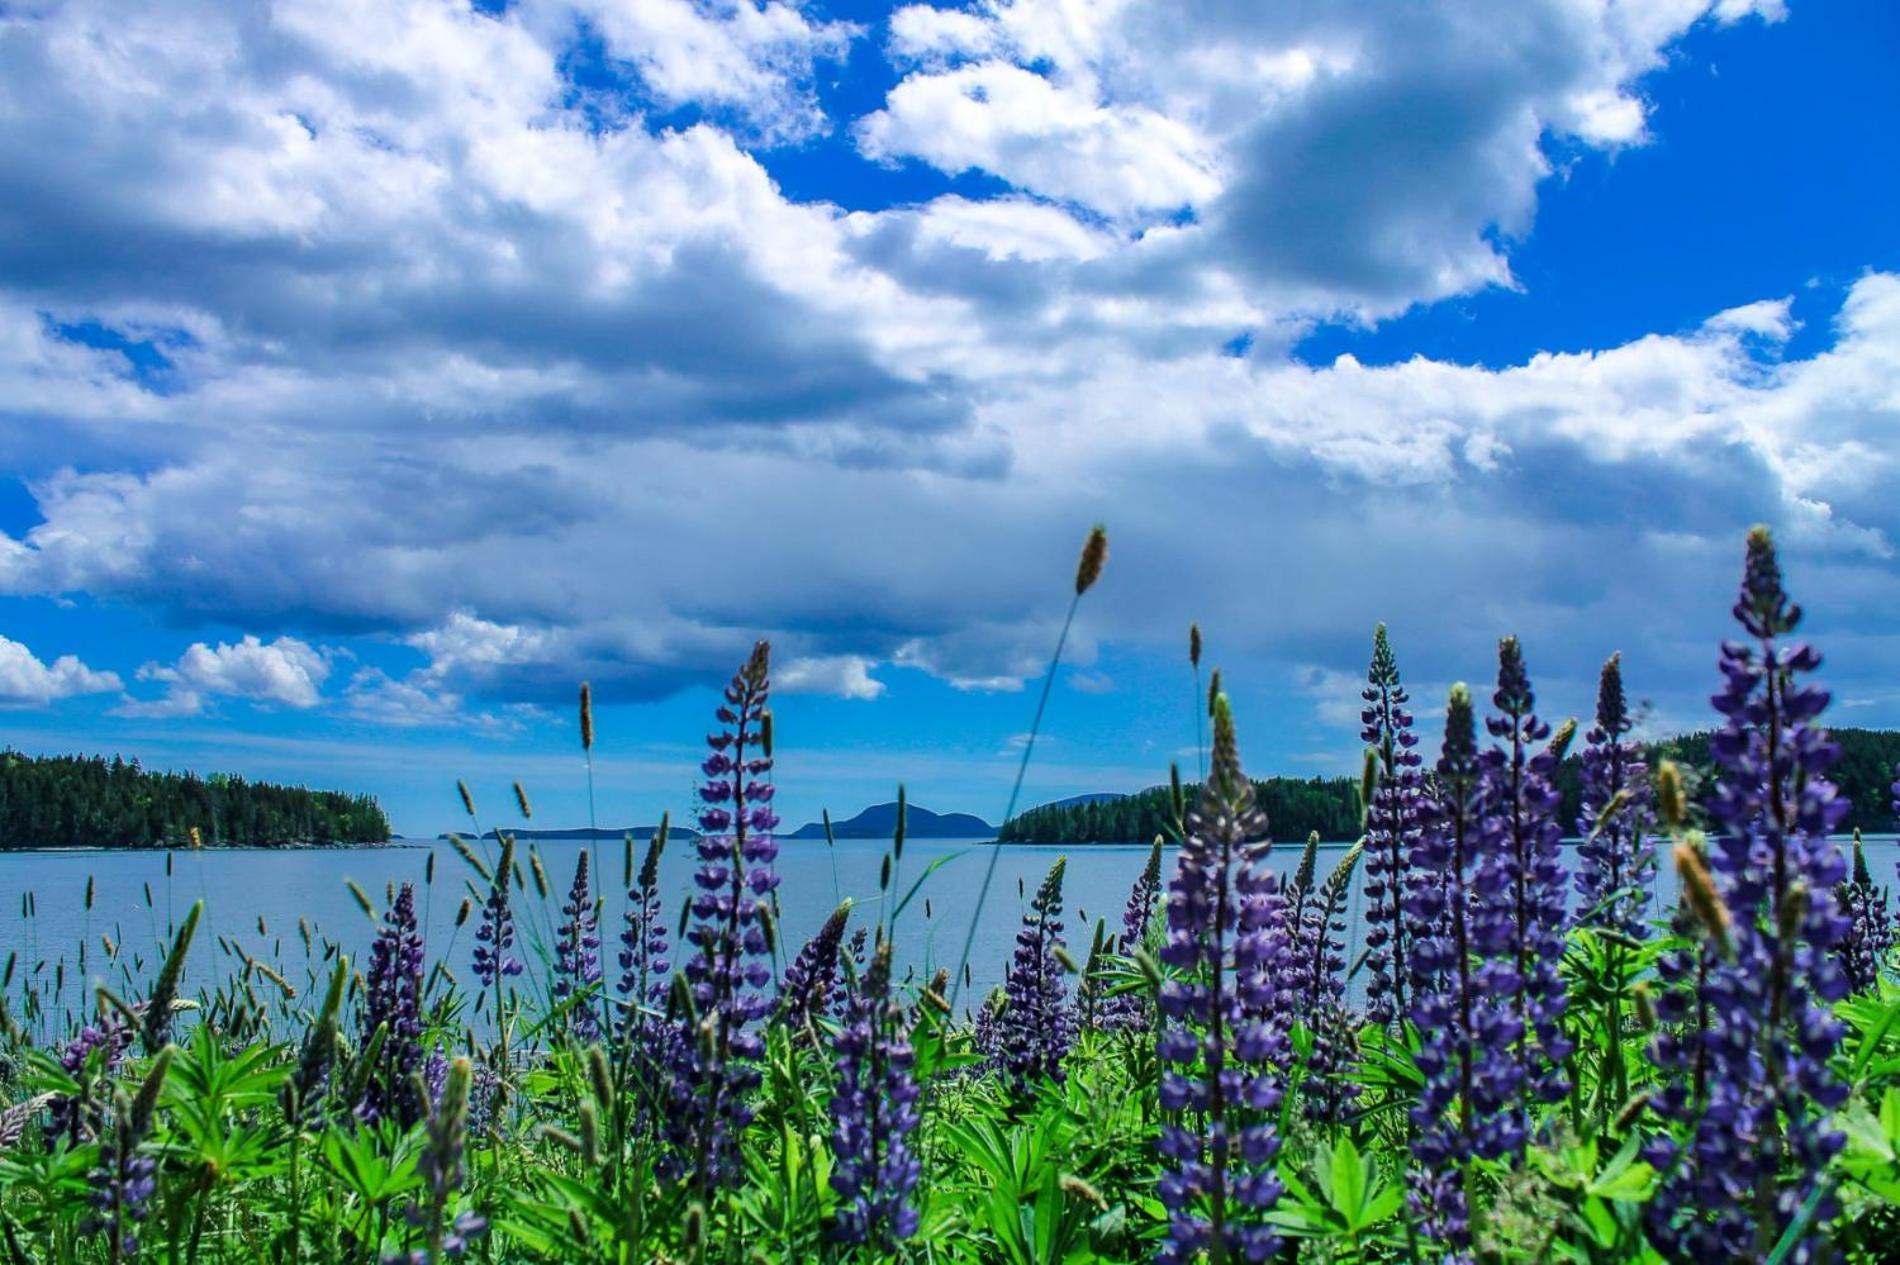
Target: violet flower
(1519, 916)
(1319, 973)
(1392, 818)
(79, 1117)
(1870, 937)
(1036, 1026)
(1219, 1086)
(874, 1111)
(1619, 860)
(715, 1063)
(1130, 1011)
(1465, 1030)
(811, 979)
(496, 934)
(393, 999)
(577, 954)
(1759, 1144)
(441, 1168)
(643, 943)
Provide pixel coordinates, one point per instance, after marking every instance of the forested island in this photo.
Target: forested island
(92, 801)
(1298, 806)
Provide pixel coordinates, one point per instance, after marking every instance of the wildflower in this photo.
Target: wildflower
(1619, 864)
(874, 1110)
(1320, 975)
(1036, 1026)
(1519, 917)
(1870, 937)
(1218, 1084)
(393, 999)
(496, 935)
(813, 974)
(643, 951)
(577, 955)
(1465, 1031)
(716, 1062)
(1129, 1011)
(1758, 1139)
(1392, 815)
(79, 1117)
(441, 1168)
(126, 1179)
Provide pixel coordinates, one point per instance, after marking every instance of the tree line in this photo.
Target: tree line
(1298, 806)
(91, 801)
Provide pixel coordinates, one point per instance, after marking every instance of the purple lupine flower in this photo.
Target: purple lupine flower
(1319, 974)
(79, 1117)
(577, 953)
(1129, 1011)
(853, 963)
(643, 945)
(126, 1179)
(1619, 859)
(1465, 1029)
(393, 999)
(1219, 1086)
(1869, 939)
(496, 936)
(811, 979)
(715, 1064)
(1518, 920)
(1036, 1026)
(441, 1168)
(1759, 1142)
(1391, 834)
(874, 1110)
(122, 1187)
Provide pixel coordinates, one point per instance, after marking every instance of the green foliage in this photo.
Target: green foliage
(72, 801)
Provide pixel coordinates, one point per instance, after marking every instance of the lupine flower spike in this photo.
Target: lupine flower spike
(1518, 921)
(1464, 1029)
(716, 1063)
(874, 1111)
(1392, 813)
(1129, 1011)
(577, 953)
(1036, 1025)
(1760, 1141)
(1619, 862)
(1870, 938)
(811, 979)
(393, 1000)
(1218, 1085)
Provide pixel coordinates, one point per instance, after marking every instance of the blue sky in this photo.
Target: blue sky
(372, 373)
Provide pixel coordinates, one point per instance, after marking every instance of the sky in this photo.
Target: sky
(372, 372)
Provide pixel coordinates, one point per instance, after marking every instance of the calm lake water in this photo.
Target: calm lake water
(240, 887)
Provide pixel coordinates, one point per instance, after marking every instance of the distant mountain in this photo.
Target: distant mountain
(880, 820)
(583, 832)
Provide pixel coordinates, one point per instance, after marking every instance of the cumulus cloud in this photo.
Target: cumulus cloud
(285, 672)
(1358, 156)
(396, 328)
(27, 682)
(845, 675)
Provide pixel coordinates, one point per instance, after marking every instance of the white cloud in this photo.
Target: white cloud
(844, 675)
(1044, 138)
(285, 672)
(451, 362)
(27, 682)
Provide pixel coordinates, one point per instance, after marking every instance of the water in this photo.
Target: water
(240, 886)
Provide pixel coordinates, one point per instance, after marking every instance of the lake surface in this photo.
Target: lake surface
(43, 915)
